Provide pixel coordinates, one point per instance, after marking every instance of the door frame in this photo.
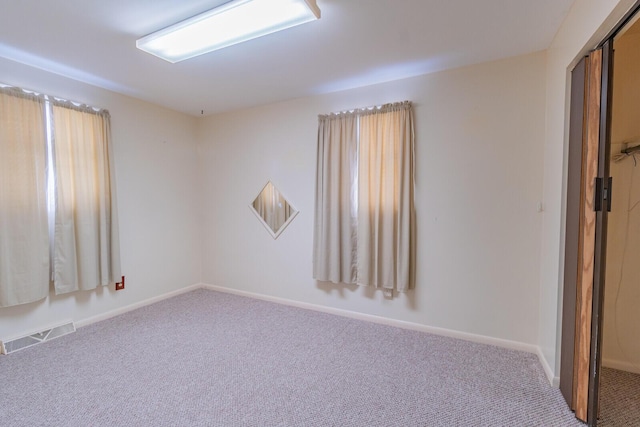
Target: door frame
(573, 253)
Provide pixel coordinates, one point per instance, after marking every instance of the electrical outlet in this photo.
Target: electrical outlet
(120, 285)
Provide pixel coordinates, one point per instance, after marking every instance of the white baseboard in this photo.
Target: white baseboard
(620, 365)
(131, 307)
(482, 339)
(553, 380)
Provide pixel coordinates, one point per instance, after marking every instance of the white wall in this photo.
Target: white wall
(159, 211)
(479, 158)
(586, 25)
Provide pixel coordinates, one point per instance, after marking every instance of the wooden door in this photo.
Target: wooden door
(586, 262)
(585, 244)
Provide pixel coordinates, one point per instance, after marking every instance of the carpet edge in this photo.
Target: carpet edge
(466, 336)
(127, 308)
(620, 365)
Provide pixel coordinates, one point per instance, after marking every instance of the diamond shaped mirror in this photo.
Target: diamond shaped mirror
(273, 210)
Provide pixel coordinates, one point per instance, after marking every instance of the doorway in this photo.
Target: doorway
(600, 324)
(620, 367)
(600, 355)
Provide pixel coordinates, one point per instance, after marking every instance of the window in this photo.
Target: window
(58, 214)
(364, 218)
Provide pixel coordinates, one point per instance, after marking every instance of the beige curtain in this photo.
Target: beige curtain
(334, 249)
(86, 245)
(386, 212)
(24, 239)
(364, 219)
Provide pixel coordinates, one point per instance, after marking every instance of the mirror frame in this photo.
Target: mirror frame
(284, 225)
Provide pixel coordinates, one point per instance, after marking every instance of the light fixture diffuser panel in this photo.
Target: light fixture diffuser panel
(232, 23)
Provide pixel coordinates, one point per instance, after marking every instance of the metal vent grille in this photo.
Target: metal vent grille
(37, 338)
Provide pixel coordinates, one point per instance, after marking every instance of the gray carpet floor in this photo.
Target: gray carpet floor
(211, 359)
(619, 398)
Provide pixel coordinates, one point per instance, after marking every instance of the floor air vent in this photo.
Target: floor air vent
(33, 339)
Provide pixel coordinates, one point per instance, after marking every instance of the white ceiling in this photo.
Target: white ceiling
(355, 43)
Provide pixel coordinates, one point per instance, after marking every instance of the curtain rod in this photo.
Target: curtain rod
(77, 104)
(365, 109)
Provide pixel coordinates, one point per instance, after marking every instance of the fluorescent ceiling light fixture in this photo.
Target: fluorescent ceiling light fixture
(232, 23)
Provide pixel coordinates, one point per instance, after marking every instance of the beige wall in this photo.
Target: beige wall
(491, 143)
(479, 133)
(156, 159)
(621, 343)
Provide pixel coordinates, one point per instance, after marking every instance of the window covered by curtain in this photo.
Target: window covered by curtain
(58, 214)
(364, 219)
(24, 238)
(334, 248)
(86, 247)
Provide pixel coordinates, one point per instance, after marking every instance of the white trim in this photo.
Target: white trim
(482, 339)
(103, 316)
(131, 307)
(620, 365)
(553, 380)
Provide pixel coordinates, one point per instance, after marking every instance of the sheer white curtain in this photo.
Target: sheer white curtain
(86, 244)
(364, 218)
(334, 249)
(24, 239)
